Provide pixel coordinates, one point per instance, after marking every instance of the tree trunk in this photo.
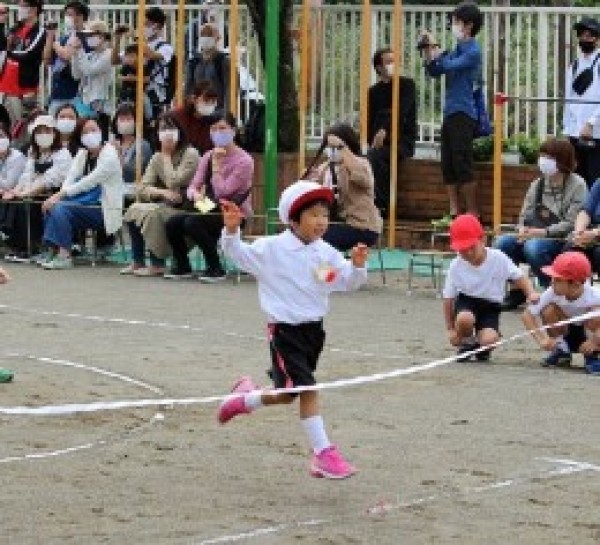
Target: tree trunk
(288, 137)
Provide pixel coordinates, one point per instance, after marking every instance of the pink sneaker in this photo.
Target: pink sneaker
(233, 407)
(330, 464)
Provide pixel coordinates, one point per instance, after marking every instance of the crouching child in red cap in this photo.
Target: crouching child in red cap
(475, 288)
(569, 296)
(296, 272)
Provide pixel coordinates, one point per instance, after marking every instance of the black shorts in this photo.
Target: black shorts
(487, 313)
(458, 131)
(575, 337)
(295, 351)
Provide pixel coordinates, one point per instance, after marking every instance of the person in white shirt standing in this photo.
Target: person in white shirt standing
(582, 89)
(296, 272)
(474, 288)
(569, 296)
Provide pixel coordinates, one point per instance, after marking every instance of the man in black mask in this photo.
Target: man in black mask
(582, 120)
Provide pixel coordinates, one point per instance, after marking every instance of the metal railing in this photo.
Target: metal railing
(526, 53)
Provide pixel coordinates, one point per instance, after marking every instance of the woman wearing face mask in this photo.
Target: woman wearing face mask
(45, 170)
(225, 172)
(356, 218)
(94, 70)
(123, 129)
(547, 216)
(160, 196)
(91, 196)
(66, 122)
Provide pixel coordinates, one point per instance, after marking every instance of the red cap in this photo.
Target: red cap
(465, 232)
(570, 266)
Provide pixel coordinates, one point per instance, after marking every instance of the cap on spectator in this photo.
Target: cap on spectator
(465, 232)
(43, 121)
(300, 194)
(570, 266)
(587, 23)
(96, 27)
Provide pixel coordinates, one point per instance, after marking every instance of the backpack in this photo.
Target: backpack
(254, 129)
(169, 70)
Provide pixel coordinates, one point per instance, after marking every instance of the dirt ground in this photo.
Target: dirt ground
(498, 453)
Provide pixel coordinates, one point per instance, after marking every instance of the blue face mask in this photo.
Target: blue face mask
(221, 139)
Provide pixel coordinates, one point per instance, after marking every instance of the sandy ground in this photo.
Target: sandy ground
(465, 453)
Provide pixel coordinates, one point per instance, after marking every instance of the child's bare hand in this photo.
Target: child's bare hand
(359, 255)
(548, 344)
(453, 337)
(533, 297)
(232, 216)
(4, 277)
(588, 348)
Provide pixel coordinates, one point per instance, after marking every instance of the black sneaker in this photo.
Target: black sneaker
(557, 358)
(178, 274)
(513, 300)
(484, 355)
(210, 276)
(467, 347)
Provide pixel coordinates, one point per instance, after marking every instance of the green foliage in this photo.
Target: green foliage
(483, 149)
(528, 147)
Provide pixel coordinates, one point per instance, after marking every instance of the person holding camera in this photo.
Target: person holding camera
(582, 120)
(20, 75)
(380, 121)
(462, 68)
(58, 54)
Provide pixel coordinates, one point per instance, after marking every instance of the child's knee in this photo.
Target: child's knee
(488, 336)
(592, 325)
(464, 320)
(552, 314)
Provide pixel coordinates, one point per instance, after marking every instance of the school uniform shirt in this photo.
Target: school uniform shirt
(11, 168)
(577, 115)
(287, 271)
(588, 301)
(487, 281)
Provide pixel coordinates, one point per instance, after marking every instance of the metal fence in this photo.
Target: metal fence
(526, 54)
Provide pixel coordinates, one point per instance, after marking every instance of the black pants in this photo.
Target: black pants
(588, 160)
(204, 230)
(592, 252)
(24, 225)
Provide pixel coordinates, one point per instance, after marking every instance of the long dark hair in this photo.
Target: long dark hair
(345, 133)
(73, 145)
(35, 149)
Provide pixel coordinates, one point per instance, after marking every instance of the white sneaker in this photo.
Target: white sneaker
(58, 263)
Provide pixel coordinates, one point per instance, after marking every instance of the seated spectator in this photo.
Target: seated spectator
(195, 117)
(66, 121)
(123, 128)
(586, 234)
(379, 128)
(161, 195)
(209, 64)
(91, 196)
(12, 162)
(547, 216)
(94, 69)
(225, 172)
(45, 170)
(354, 217)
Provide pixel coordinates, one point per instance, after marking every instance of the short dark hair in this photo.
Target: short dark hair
(204, 88)
(222, 115)
(125, 108)
(132, 48)
(378, 56)
(562, 151)
(66, 106)
(346, 134)
(79, 8)
(170, 120)
(39, 4)
(295, 216)
(156, 15)
(468, 12)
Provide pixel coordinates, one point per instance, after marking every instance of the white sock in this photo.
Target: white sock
(253, 400)
(317, 436)
(562, 344)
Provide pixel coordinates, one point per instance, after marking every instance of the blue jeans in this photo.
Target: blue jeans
(536, 252)
(66, 218)
(138, 247)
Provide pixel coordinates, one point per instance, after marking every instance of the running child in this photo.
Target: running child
(475, 286)
(296, 272)
(568, 296)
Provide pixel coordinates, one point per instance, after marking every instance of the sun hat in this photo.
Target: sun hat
(300, 193)
(570, 266)
(465, 232)
(43, 121)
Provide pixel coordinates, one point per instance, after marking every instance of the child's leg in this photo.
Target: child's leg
(552, 314)
(567, 337)
(464, 324)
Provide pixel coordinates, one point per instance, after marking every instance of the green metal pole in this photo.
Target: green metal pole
(272, 75)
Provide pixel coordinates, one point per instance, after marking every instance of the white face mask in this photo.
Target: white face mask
(547, 166)
(205, 109)
(457, 32)
(65, 125)
(23, 13)
(92, 140)
(44, 140)
(69, 23)
(171, 135)
(389, 69)
(206, 43)
(149, 32)
(126, 128)
(94, 41)
(4, 144)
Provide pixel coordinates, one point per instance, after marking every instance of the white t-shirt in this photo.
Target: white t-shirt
(589, 300)
(487, 281)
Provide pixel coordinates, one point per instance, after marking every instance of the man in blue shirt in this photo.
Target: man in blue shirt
(462, 68)
(58, 53)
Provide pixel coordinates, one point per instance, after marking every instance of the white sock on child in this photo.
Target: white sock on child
(315, 430)
(562, 344)
(253, 400)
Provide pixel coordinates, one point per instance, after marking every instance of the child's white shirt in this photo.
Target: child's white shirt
(486, 281)
(589, 300)
(287, 271)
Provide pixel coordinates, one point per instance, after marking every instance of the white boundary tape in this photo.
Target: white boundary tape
(72, 408)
